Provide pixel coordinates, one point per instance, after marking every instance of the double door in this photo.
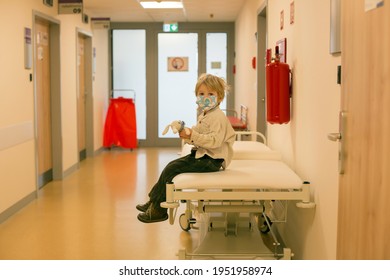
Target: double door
(159, 71)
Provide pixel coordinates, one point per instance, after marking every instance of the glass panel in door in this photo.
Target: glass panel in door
(177, 76)
(129, 72)
(216, 57)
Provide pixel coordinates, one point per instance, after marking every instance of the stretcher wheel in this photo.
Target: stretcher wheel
(184, 223)
(264, 228)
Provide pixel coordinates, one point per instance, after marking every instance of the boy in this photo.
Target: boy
(212, 137)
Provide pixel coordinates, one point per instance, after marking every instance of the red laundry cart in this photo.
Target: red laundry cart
(120, 128)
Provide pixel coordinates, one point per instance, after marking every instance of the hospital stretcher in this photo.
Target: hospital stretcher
(243, 194)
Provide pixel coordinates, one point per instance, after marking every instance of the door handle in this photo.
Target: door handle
(334, 136)
(340, 137)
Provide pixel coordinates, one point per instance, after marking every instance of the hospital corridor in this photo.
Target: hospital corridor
(275, 113)
(91, 215)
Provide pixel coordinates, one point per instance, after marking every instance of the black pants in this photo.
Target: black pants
(186, 164)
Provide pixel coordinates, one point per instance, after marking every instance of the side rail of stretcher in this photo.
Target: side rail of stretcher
(174, 196)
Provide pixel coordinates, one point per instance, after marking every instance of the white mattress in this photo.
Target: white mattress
(245, 150)
(243, 174)
(254, 150)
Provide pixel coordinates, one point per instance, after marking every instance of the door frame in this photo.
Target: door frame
(152, 30)
(88, 57)
(262, 44)
(55, 92)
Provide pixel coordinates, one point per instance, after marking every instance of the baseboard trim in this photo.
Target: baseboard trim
(99, 151)
(17, 206)
(70, 170)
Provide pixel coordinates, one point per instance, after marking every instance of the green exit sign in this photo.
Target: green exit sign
(171, 27)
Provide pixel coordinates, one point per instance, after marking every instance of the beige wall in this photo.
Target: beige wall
(315, 104)
(17, 144)
(245, 81)
(15, 92)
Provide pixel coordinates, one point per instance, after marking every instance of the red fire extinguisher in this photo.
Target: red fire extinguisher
(278, 90)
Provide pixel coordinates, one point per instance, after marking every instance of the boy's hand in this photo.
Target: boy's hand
(185, 133)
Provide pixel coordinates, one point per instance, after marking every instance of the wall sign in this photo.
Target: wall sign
(100, 23)
(292, 12)
(27, 48)
(171, 27)
(281, 20)
(70, 6)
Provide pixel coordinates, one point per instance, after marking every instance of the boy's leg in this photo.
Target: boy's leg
(185, 164)
(158, 193)
(154, 194)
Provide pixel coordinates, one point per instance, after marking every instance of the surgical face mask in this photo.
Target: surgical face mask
(206, 103)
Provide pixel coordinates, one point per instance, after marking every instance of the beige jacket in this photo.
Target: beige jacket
(213, 136)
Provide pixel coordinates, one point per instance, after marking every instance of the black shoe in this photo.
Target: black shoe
(143, 207)
(153, 215)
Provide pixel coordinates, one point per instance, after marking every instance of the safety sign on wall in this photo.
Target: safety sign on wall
(70, 6)
(171, 27)
(177, 64)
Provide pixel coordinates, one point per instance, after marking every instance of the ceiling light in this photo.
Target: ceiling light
(161, 4)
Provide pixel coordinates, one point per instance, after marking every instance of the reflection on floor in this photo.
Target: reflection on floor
(91, 214)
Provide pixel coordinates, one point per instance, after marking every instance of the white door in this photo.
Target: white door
(177, 76)
(159, 70)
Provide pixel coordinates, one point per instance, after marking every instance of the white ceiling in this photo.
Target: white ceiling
(194, 11)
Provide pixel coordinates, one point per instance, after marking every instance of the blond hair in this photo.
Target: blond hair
(214, 83)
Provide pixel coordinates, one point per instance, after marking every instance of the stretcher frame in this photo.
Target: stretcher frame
(242, 200)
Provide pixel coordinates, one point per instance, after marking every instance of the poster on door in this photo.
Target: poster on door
(177, 64)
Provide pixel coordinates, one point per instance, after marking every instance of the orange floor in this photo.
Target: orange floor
(91, 215)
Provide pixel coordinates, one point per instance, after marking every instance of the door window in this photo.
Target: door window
(129, 71)
(177, 76)
(216, 57)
